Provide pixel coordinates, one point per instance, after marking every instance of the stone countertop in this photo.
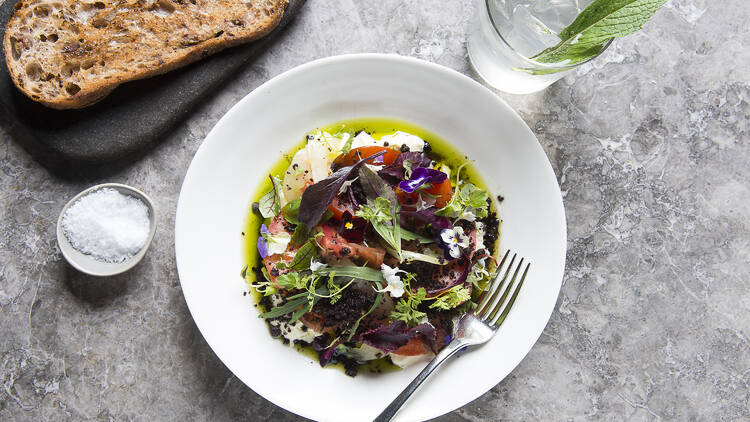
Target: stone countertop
(650, 143)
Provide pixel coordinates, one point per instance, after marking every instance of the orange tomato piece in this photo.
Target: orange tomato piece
(442, 191)
(357, 154)
(270, 262)
(414, 347)
(339, 207)
(334, 245)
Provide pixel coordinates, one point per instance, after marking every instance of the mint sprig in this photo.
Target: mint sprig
(601, 21)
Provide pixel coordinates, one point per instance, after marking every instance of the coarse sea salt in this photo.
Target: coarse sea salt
(107, 225)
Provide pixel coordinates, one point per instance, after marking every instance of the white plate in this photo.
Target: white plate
(236, 156)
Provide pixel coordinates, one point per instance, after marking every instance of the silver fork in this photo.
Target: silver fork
(475, 327)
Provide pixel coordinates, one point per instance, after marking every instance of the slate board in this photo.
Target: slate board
(103, 138)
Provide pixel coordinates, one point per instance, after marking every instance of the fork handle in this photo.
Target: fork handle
(448, 351)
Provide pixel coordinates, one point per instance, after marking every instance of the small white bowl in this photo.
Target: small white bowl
(86, 263)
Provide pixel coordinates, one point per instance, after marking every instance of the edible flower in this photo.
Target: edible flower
(395, 286)
(315, 265)
(454, 241)
(262, 248)
(352, 228)
(272, 244)
(420, 176)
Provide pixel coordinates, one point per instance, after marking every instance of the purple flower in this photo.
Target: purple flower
(352, 228)
(453, 241)
(262, 245)
(420, 176)
(396, 169)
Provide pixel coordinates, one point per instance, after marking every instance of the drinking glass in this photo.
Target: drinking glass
(507, 34)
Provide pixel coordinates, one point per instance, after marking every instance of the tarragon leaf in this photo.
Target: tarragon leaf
(408, 235)
(284, 309)
(291, 210)
(375, 304)
(362, 273)
(601, 21)
(300, 235)
(304, 255)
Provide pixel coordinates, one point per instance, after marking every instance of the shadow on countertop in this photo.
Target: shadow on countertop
(103, 139)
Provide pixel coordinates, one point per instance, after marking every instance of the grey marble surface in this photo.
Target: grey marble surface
(649, 143)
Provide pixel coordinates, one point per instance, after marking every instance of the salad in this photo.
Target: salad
(368, 242)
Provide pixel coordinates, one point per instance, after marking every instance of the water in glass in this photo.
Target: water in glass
(507, 33)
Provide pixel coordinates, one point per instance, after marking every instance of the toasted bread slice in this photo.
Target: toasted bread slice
(70, 54)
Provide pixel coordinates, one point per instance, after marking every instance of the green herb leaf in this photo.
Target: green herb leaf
(601, 21)
(451, 298)
(270, 204)
(336, 289)
(352, 271)
(430, 259)
(302, 258)
(377, 190)
(291, 210)
(408, 235)
(379, 213)
(348, 144)
(469, 202)
(406, 308)
(292, 280)
(286, 308)
(300, 235)
(375, 304)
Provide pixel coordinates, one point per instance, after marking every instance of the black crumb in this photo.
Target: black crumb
(500, 198)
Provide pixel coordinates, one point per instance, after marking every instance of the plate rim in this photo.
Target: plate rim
(398, 60)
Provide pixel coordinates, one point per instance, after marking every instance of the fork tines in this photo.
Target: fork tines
(491, 309)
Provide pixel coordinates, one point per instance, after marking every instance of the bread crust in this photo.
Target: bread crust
(69, 54)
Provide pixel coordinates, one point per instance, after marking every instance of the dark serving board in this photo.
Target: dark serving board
(128, 123)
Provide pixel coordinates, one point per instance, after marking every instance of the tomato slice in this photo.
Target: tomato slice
(339, 207)
(335, 246)
(414, 347)
(272, 260)
(357, 154)
(442, 191)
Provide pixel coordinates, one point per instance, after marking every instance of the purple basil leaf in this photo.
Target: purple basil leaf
(374, 186)
(352, 198)
(320, 344)
(420, 176)
(460, 280)
(428, 216)
(391, 337)
(262, 247)
(396, 169)
(317, 198)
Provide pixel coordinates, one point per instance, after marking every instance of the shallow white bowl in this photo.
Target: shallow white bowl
(86, 263)
(236, 156)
